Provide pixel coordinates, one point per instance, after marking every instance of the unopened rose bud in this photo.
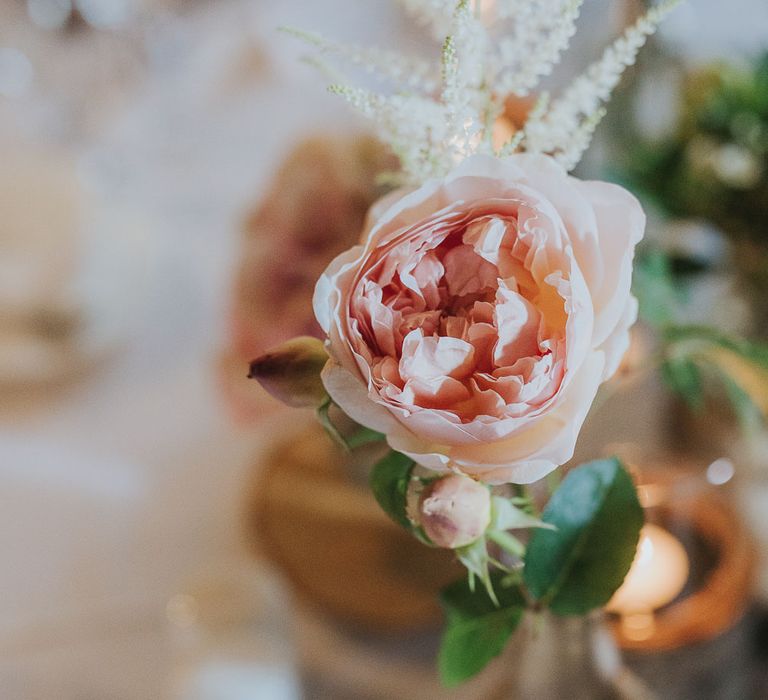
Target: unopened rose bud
(291, 372)
(455, 510)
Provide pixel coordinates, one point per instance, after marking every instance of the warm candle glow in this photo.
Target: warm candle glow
(658, 573)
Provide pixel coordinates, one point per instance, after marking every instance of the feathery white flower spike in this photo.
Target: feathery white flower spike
(540, 35)
(580, 140)
(413, 127)
(491, 51)
(554, 131)
(463, 96)
(392, 66)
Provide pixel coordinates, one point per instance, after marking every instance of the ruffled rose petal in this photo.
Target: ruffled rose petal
(467, 273)
(352, 397)
(538, 450)
(620, 225)
(517, 320)
(551, 439)
(616, 346)
(432, 357)
(327, 290)
(479, 317)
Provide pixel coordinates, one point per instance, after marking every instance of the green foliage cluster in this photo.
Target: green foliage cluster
(576, 558)
(698, 361)
(714, 164)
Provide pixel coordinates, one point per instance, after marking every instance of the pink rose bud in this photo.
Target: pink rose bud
(291, 372)
(455, 510)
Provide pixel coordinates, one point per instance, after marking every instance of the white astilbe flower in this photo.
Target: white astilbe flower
(570, 156)
(554, 131)
(512, 145)
(401, 70)
(414, 128)
(493, 50)
(330, 73)
(541, 32)
(463, 94)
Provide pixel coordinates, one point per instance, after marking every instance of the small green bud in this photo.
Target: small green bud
(291, 372)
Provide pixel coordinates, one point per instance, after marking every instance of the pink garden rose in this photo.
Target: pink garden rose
(476, 321)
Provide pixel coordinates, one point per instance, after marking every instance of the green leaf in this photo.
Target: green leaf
(746, 410)
(738, 365)
(579, 566)
(324, 418)
(389, 482)
(694, 337)
(477, 630)
(682, 375)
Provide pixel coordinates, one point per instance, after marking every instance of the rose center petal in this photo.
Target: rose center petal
(470, 320)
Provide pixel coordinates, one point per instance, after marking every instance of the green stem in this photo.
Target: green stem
(324, 417)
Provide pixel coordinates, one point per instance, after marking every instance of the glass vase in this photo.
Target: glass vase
(567, 657)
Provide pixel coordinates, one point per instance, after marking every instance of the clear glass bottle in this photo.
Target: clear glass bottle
(553, 657)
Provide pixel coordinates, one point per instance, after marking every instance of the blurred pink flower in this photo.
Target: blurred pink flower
(314, 209)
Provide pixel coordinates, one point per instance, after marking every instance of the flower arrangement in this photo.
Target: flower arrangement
(487, 301)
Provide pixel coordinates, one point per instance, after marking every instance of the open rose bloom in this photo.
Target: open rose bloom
(477, 319)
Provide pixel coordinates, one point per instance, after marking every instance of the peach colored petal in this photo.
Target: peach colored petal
(480, 315)
(518, 322)
(620, 225)
(326, 296)
(466, 272)
(527, 456)
(553, 438)
(434, 392)
(432, 358)
(616, 346)
(351, 395)
(488, 236)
